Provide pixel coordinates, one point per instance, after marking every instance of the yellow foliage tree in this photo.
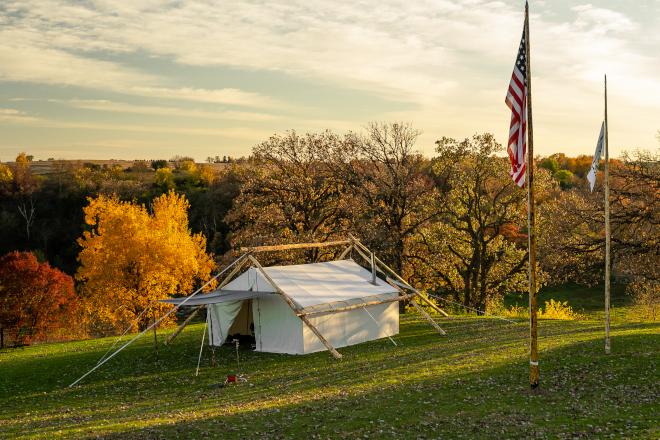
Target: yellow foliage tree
(23, 160)
(132, 257)
(206, 174)
(188, 165)
(5, 174)
(164, 178)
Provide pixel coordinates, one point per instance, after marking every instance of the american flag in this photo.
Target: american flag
(516, 99)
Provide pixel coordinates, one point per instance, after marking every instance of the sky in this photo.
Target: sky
(150, 79)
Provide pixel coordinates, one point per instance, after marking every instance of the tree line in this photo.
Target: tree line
(454, 224)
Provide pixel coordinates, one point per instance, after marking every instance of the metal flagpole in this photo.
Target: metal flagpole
(533, 345)
(607, 233)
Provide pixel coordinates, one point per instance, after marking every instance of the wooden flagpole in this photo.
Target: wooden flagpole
(533, 345)
(607, 233)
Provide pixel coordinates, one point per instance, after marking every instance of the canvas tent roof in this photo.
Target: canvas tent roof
(308, 285)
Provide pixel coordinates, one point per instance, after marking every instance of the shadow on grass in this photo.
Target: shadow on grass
(473, 382)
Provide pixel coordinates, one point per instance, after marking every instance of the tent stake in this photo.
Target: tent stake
(318, 334)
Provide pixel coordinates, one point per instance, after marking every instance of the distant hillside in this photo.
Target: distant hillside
(44, 166)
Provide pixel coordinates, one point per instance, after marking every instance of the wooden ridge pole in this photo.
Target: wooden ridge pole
(288, 300)
(533, 319)
(371, 303)
(294, 246)
(607, 232)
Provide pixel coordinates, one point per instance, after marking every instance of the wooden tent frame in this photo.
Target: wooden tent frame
(353, 244)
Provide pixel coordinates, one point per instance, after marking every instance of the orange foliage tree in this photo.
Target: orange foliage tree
(33, 296)
(133, 257)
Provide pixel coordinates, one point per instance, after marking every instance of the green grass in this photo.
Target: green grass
(583, 299)
(472, 383)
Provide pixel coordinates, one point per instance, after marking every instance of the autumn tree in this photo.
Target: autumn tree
(389, 194)
(473, 252)
(34, 296)
(577, 249)
(292, 196)
(133, 257)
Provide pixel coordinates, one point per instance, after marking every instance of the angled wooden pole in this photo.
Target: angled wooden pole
(607, 233)
(533, 319)
(428, 318)
(396, 275)
(356, 306)
(424, 314)
(346, 251)
(288, 300)
(185, 323)
(198, 309)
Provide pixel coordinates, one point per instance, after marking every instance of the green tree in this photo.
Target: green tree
(467, 253)
(164, 178)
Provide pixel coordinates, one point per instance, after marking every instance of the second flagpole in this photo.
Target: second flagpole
(607, 232)
(533, 321)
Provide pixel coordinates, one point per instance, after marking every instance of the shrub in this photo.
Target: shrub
(646, 296)
(158, 164)
(558, 310)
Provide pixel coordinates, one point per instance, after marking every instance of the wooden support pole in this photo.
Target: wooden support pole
(371, 303)
(386, 267)
(288, 300)
(153, 314)
(607, 233)
(198, 309)
(531, 205)
(424, 314)
(428, 318)
(433, 306)
(182, 326)
(295, 246)
(346, 251)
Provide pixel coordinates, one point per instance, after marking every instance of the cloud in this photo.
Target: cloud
(451, 59)
(121, 107)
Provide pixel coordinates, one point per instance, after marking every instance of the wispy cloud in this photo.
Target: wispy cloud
(122, 107)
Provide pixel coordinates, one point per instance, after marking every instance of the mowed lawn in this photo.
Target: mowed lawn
(471, 383)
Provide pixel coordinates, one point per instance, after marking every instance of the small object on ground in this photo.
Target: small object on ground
(235, 379)
(218, 385)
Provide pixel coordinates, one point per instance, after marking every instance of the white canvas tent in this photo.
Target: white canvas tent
(317, 288)
(306, 308)
(290, 306)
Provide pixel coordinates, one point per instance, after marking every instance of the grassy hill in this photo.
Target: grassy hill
(472, 383)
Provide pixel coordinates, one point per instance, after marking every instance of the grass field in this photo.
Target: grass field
(472, 383)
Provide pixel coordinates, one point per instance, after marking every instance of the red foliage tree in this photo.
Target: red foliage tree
(34, 296)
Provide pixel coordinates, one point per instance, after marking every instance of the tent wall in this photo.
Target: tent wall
(352, 326)
(277, 328)
(220, 318)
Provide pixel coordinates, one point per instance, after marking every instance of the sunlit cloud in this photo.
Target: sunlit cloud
(446, 62)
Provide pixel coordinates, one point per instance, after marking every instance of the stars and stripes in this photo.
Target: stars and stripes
(516, 100)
